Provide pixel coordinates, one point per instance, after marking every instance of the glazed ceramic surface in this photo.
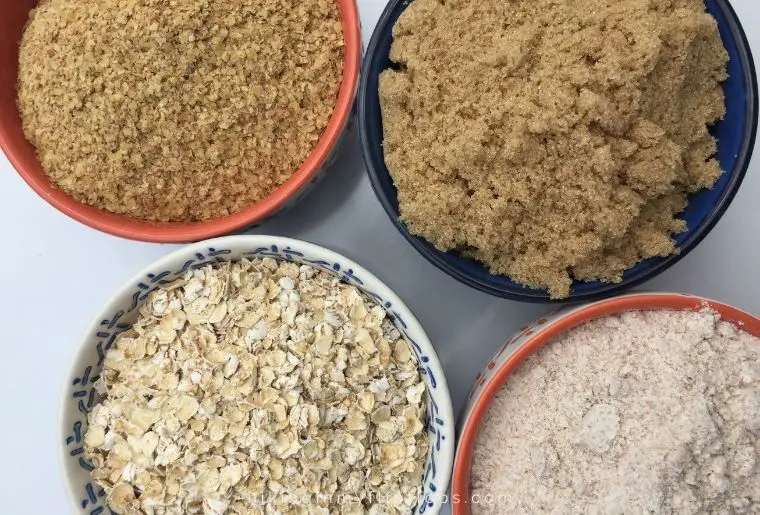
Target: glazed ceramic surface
(117, 316)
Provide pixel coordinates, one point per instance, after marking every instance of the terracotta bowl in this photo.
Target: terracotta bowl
(531, 338)
(22, 155)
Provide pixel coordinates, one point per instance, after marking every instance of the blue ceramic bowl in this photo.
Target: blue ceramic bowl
(735, 135)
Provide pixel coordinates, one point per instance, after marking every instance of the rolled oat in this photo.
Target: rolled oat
(260, 387)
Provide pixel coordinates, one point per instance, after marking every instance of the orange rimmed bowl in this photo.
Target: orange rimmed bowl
(531, 338)
(23, 157)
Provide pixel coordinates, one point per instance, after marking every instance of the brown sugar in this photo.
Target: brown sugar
(178, 111)
(552, 140)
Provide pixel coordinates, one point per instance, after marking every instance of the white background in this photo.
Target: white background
(55, 275)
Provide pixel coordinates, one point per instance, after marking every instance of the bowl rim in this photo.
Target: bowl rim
(480, 404)
(443, 399)
(171, 232)
(378, 170)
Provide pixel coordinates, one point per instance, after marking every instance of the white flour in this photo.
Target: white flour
(646, 412)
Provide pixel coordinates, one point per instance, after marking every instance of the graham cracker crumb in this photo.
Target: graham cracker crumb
(552, 140)
(177, 111)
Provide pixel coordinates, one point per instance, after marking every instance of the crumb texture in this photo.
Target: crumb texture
(645, 412)
(177, 111)
(552, 140)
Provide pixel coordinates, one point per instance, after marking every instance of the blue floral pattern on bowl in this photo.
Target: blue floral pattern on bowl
(80, 395)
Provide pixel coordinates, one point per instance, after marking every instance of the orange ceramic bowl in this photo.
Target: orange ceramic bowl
(531, 338)
(23, 157)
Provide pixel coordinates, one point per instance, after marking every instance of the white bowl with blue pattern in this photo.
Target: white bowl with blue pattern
(79, 395)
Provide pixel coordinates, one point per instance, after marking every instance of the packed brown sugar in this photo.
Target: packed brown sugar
(178, 111)
(552, 140)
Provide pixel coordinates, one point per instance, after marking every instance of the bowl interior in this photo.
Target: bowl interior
(23, 157)
(79, 394)
(735, 135)
(540, 334)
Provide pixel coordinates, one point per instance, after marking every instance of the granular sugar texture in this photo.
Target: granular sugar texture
(645, 412)
(177, 111)
(552, 140)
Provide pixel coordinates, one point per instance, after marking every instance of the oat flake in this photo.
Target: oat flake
(259, 387)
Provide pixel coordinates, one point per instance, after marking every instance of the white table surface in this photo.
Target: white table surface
(56, 274)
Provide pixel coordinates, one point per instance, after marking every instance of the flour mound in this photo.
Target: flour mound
(645, 412)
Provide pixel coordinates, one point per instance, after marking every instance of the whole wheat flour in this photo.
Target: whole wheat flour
(178, 111)
(646, 412)
(552, 140)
